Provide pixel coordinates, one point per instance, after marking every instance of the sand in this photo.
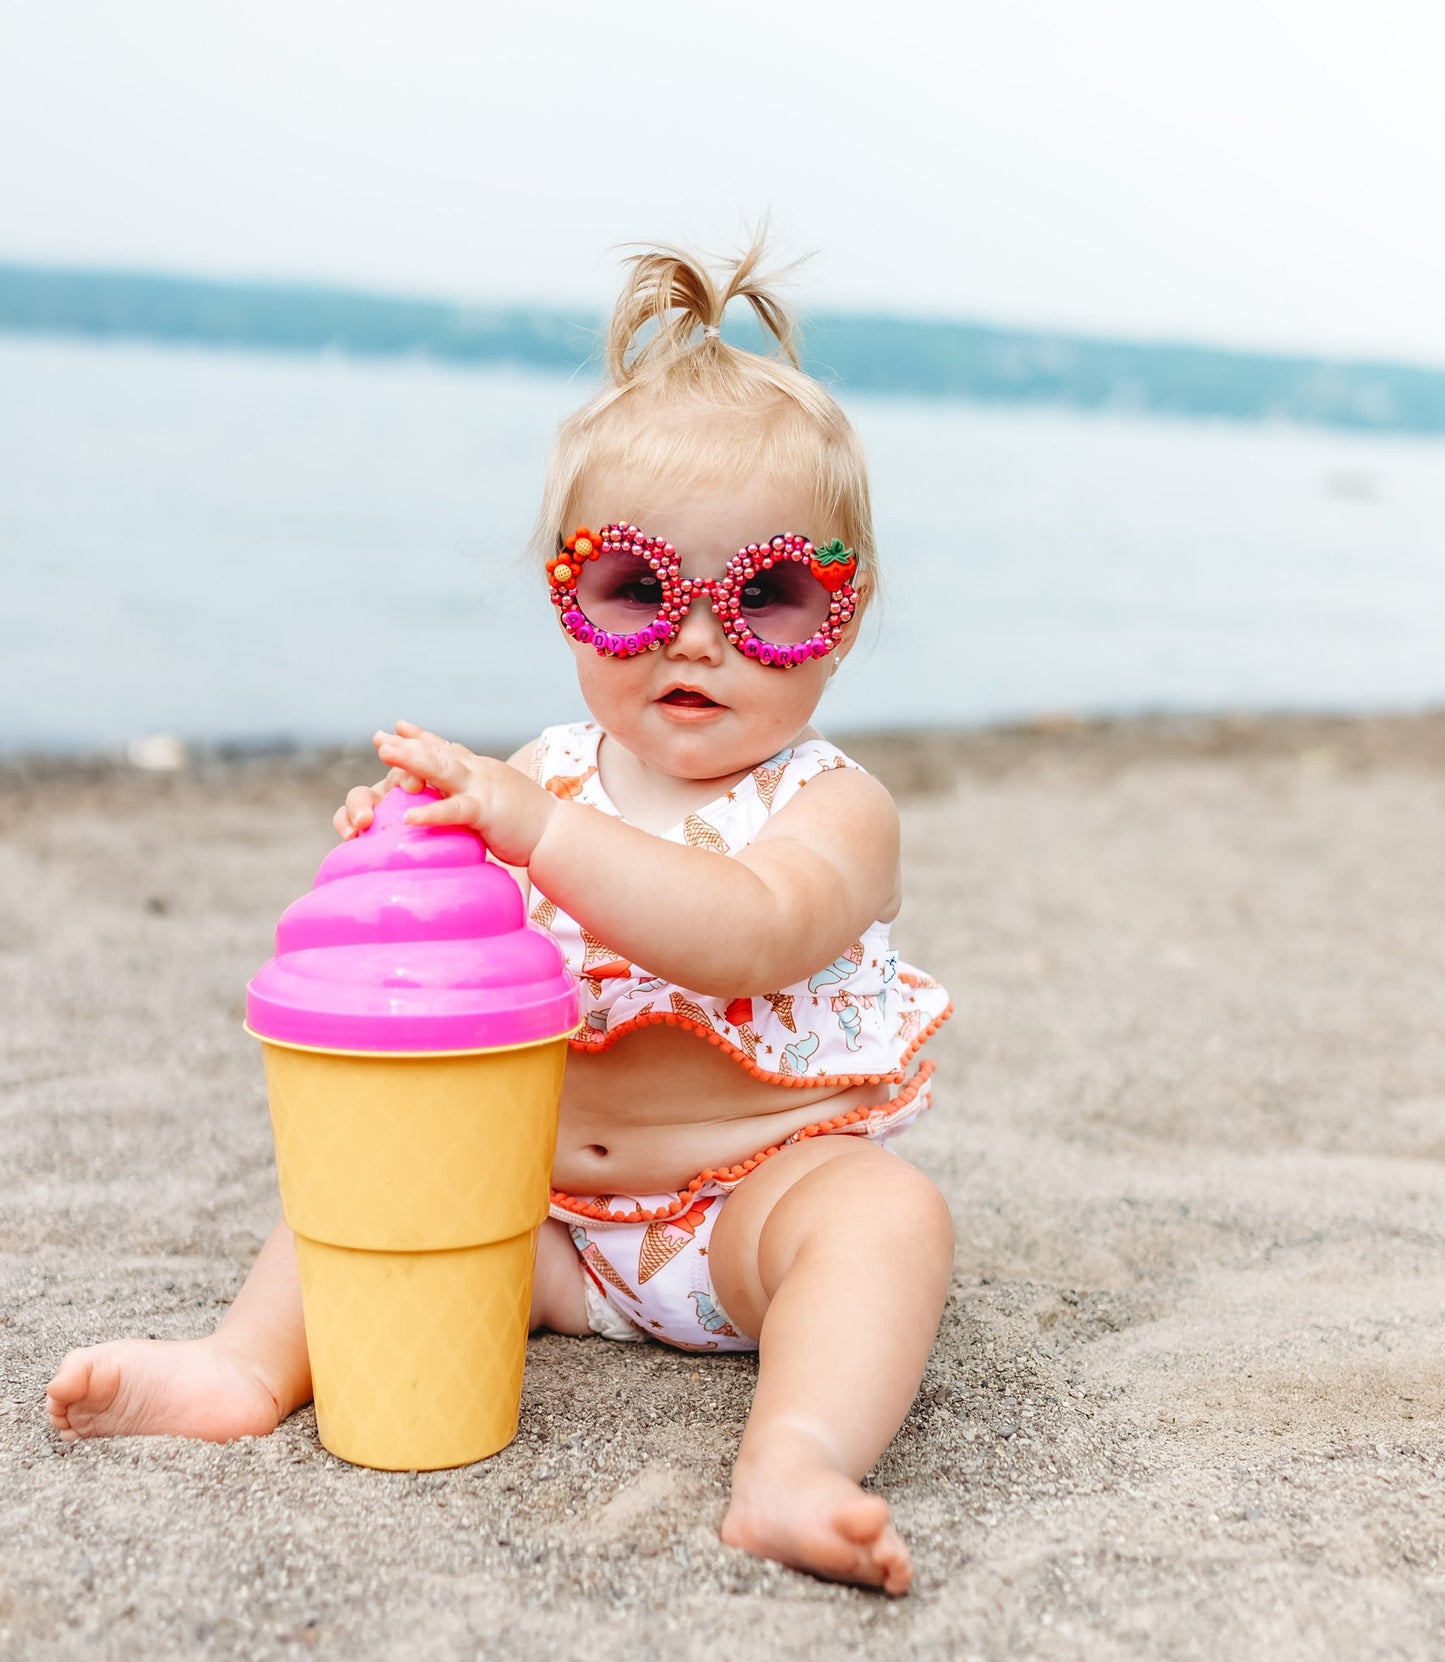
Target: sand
(1187, 1397)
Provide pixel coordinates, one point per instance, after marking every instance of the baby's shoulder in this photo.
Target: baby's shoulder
(843, 816)
(782, 777)
(825, 800)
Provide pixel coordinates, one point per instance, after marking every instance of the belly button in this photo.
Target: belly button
(598, 1150)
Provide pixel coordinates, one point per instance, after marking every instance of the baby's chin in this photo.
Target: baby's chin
(715, 750)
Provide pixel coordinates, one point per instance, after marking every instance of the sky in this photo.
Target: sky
(1255, 173)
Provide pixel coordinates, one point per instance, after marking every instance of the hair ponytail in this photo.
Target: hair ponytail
(678, 296)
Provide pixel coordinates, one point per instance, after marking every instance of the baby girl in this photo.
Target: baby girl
(722, 880)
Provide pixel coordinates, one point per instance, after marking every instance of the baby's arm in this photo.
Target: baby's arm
(823, 868)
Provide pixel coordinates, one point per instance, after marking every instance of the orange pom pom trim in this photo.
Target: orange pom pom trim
(590, 1042)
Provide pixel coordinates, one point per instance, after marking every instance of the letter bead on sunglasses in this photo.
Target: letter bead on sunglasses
(781, 601)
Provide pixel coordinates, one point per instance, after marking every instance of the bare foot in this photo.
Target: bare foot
(159, 1387)
(798, 1509)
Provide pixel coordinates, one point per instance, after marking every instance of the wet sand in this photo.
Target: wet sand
(1188, 1399)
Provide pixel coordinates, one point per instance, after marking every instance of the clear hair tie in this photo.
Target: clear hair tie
(710, 331)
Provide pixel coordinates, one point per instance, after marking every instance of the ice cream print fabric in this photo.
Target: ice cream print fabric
(857, 1020)
(656, 1275)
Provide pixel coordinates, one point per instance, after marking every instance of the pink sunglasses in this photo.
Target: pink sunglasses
(781, 602)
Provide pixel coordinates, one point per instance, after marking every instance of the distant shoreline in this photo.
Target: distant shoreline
(974, 362)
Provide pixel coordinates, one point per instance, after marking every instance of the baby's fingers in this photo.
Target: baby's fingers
(450, 810)
(357, 812)
(437, 761)
(359, 809)
(407, 731)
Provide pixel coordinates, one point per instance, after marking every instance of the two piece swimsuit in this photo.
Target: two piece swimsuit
(856, 1021)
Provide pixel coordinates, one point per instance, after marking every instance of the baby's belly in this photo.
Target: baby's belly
(662, 1105)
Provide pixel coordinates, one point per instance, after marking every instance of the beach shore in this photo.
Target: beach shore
(1188, 1398)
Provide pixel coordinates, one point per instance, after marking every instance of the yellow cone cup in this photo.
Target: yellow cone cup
(414, 1028)
(415, 1186)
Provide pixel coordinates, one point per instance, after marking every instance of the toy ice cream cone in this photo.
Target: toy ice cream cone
(414, 1033)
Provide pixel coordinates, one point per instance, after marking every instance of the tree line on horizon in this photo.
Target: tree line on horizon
(869, 354)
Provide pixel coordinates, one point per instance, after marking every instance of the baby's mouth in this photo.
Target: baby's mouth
(689, 698)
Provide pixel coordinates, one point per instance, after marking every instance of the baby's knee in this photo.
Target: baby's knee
(909, 1203)
(870, 1193)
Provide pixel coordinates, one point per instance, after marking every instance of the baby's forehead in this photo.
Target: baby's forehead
(708, 517)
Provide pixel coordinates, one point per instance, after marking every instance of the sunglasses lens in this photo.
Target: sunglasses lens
(784, 604)
(618, 592)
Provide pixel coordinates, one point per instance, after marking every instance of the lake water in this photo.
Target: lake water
(239, 547)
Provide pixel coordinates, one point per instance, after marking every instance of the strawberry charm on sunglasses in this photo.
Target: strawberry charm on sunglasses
(781, 602)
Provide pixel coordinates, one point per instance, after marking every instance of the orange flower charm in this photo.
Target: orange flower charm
(582, 545)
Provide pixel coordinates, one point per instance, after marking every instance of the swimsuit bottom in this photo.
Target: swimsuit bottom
(645, 1257)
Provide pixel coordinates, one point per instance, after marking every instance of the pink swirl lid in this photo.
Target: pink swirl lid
(411, 940)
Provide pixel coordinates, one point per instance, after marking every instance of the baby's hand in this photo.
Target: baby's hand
(359, 809)
(497, 800)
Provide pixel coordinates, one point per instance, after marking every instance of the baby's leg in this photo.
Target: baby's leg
(838, 1255)
(558, 1303)
(240, 1381)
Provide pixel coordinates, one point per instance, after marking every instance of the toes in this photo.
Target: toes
(837, 1552)
(864, 1519)
(70, 1378)
(71, 1384)
(841, 1536)
(84, 1387)
(882, 1558)
(891, 1557)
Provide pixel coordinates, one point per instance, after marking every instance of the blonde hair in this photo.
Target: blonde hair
(668, 366)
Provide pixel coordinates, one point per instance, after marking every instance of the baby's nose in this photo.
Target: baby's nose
(700, 633)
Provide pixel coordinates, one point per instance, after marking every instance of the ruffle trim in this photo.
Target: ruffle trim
(671, 1018)
(581, 1207)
